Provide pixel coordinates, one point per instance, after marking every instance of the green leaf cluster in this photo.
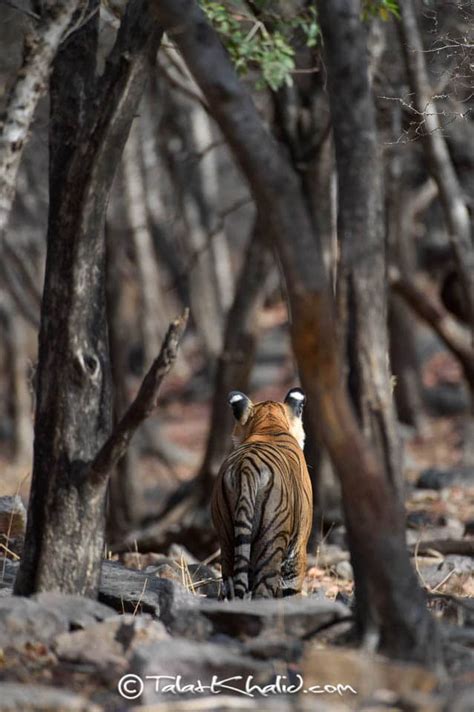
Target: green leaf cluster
(264, 44)
(380, 8)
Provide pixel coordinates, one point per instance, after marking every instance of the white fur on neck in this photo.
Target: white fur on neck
(296, 429)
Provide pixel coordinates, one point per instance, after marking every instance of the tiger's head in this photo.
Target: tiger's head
(268, 417)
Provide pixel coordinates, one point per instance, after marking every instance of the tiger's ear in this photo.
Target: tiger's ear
(295, 400)
(241, 406)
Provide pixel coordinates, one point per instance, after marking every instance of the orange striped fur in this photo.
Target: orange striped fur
(262, 500)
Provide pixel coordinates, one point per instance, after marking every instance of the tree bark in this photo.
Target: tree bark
(438, 159)
(405, 626)
(401, 252)
(453, 335)
(122, 499)
(238, 353)
(183, 165)
(16, 369)
(30, 85)
(189, 504)
(153, 311)
(65, 531)
(362, 283)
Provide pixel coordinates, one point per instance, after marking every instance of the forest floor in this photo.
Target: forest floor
(159, 615)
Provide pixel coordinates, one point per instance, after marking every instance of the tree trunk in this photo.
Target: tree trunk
(438, 159)
(65, 531)
(154, 318)
(238, 353)
(183, 165)
(405, 627)
(122, 495)
(189, 505)
(16, 369)
(31, 83)
(401, 250)
(303, 125)
(362, 283)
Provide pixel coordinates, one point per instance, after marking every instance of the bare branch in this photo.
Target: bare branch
(22, 10)
(142, 407)
(453, 335)
(438, 158)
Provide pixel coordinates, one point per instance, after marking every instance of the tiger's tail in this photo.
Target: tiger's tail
(243, 526)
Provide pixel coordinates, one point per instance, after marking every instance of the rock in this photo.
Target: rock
(181, 555)
(12, 517)
(108, 644)
(182, 663)
(168, 570)
(461, 700)
(365, 676)
(23, 621)
(328, 555)
(137, 560)
(39, 698)
(128, 590)
(8, 572)
(452, 530)
(80, 612)
(436, 478)
(344, 570)
(433, 574)
(345, 598)
(205, 580)
(469, 527)
(197, 578)
(337, 536)
(298, 616)
(274, 646)
(420, 518)
(446, 399)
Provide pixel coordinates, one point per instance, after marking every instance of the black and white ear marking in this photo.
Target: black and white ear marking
(295, 399)
(240, 404)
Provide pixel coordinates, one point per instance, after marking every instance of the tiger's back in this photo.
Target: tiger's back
(262, 500)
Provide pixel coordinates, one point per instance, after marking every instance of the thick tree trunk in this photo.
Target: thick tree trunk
(40, 50)
(65, 532)
(403, 623)
(303, 126)
(362, 283)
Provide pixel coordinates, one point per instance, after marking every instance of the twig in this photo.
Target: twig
(417, 567)
(176, 84)
(431, 311)
(142, 407)
(140, 598)
(217, 229)
(438, 585)
(22, 10)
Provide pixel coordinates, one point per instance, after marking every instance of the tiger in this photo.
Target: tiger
(262, 504)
